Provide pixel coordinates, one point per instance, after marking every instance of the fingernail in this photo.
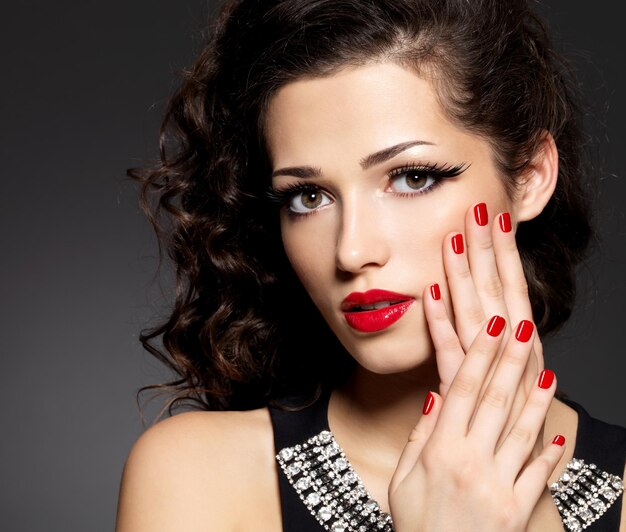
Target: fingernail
(524, 331)
(495, 326)
(480, 213)
(428, 403)
(559, 440)
(457, 244)
(435, 292)
(546, 379)
(505, 222)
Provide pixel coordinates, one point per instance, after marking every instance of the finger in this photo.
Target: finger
(485, 274)
(532, 482)
(482, 262)
(520, 441)
(509, 265)
(463, 394)
(448, 350)
(495, 405)
(512, 277)
(469, 315)
(515, 290)
(417, 438)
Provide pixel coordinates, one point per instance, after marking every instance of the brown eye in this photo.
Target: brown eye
(311, 200)
(416, 180)
(413, 181)
(308, 200)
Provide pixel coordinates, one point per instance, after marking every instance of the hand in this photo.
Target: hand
(452, 476)
(486, 278)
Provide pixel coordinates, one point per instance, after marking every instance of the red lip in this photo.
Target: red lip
(375, 320)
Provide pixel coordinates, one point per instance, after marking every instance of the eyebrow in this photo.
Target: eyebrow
(307, 172)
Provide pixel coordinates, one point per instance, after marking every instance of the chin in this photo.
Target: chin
(385, 358)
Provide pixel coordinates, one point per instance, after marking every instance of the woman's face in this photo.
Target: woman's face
(368, 222)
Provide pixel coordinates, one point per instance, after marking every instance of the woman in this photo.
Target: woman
(346, 186)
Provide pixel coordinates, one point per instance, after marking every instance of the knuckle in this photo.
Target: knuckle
(463, 386)
(521, 435)
(521, 287)
(419, 432)
(536, 402)
(464, 274)
(432, 456)
(544, 466)
(414, 435)
(441, 317)
(464, 475)
(475, 316)
(484, 350)
(495, 397)
(493, 288)
(486, 244)
(449, 343)
(514, 358)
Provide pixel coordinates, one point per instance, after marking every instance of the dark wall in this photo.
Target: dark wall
(83, 87)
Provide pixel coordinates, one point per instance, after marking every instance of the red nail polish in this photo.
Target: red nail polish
(457, 244)
(428, 403)
(495, 326)
(546, 379)
(559, 440)
(480, 214)
(524, 331)
(435, 292)
(505, 222)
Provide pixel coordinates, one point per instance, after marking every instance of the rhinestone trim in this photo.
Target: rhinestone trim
(335, 495)
(330, 489)
(584, 493)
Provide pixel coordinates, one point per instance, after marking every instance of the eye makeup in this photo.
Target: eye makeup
(430, 173)
(430, 176)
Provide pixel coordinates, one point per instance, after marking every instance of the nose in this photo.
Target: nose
(361, 242)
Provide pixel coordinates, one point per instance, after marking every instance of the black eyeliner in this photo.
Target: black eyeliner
(436, 171)
(280, 197)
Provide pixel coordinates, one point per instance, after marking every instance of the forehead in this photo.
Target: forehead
(354, 111)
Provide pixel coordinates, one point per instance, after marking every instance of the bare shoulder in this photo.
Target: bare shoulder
(192, 471)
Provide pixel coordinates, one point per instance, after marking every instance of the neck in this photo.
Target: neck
(380, 410)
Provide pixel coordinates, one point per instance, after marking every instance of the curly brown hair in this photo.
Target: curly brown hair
(231, 337)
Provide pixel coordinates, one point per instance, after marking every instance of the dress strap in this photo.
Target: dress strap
(599, 442)
(290, 428)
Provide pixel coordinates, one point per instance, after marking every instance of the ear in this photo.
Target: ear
(538, 181)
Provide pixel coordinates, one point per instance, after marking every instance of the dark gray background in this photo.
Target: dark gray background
(83, 87)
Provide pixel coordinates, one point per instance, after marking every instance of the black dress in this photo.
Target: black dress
(319, 490)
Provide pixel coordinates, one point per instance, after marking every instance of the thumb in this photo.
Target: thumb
(417, 439)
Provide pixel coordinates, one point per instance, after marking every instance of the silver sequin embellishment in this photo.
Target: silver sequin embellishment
(584, 493)
(330, 488)
(334, 494)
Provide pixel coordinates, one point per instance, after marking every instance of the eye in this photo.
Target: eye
(298, 199)
(413, 181)
(308, 200)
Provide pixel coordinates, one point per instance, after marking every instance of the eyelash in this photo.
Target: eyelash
(279, 198)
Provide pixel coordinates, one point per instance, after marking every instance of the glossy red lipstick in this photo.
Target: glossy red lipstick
(375, 309)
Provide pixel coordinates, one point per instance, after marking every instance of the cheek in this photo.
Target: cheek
(419, 227)
(310, 251)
